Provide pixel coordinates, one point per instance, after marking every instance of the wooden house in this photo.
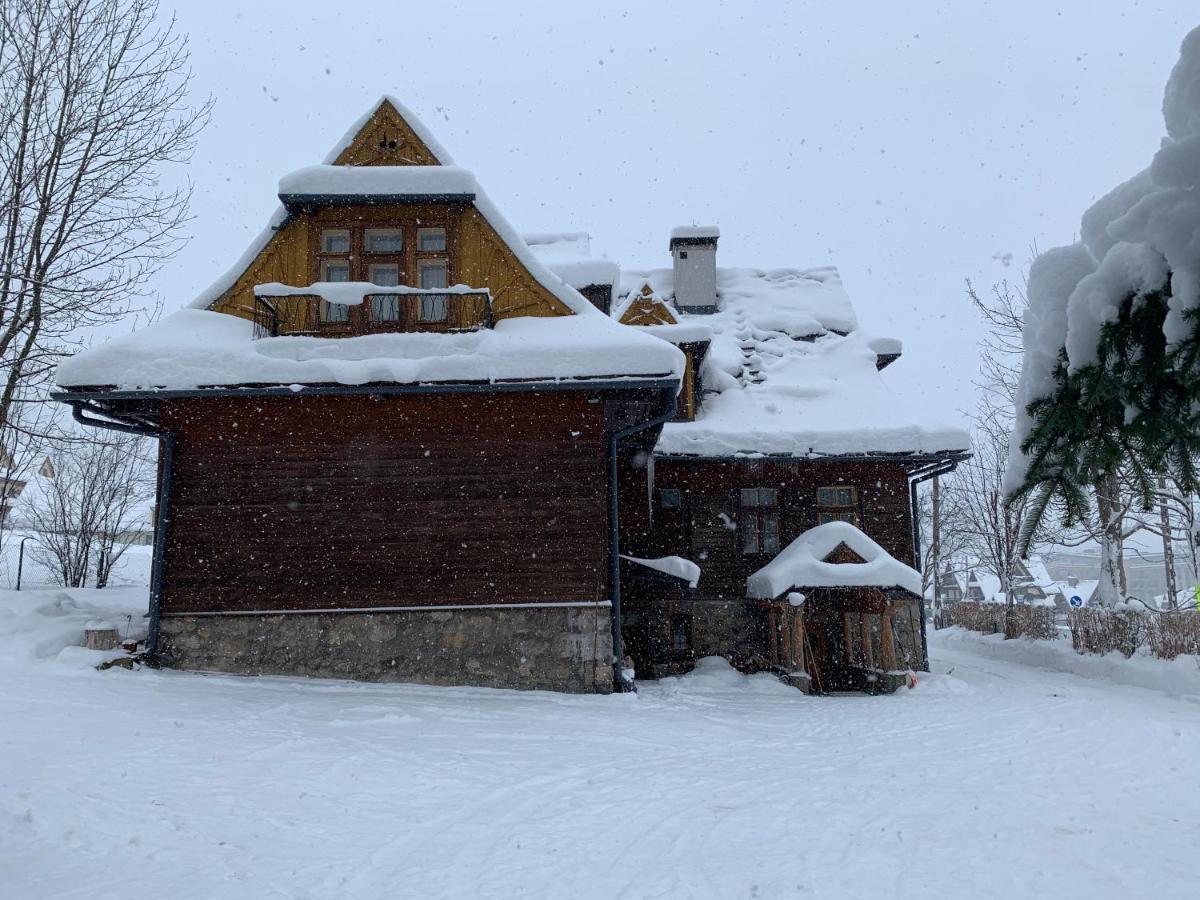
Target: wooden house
(788, 426)
(401, 442)
(392, 440)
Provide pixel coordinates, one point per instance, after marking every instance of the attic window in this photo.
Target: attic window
(383, 240)
(683, 254)
(837, 504)
(335, 240)
(431, 240)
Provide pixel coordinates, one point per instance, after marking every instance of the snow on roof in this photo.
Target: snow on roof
(690, 232)
(201, 348)
(378, 181)
(568, 254)
(675, 566)
(801, 564)
(788, 373)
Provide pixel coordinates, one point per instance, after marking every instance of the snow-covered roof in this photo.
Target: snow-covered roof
(801, 564)
(378, 181)
(568, 255)
(195, 348)
(695, 232)
(789, 373)
(200, 348)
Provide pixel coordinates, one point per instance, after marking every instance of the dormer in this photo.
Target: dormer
(387, 235)
(646, 308)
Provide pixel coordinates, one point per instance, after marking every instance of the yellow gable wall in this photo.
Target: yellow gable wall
(482, 259)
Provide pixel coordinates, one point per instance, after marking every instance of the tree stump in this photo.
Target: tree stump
(100, 636)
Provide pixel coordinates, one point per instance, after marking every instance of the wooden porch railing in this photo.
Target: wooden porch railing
(390, 311)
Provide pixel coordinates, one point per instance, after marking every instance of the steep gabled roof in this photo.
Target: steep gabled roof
(416, 146)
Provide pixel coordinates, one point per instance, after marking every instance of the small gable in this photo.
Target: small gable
(386, 139)
(647, 308)
(842, 554)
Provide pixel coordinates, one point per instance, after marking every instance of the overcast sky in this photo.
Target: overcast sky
(911, 145)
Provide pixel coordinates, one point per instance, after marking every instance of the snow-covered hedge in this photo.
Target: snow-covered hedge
(993, 618)
(1166, 635)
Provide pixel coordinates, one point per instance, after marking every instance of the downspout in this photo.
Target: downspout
(614, 536)
(943, 469)
(162, 504)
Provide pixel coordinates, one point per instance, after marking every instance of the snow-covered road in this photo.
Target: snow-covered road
(995, 780)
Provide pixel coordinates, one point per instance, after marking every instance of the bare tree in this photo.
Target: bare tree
(93, 112)
(86, 516)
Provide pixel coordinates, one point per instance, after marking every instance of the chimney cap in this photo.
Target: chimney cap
(693, 235)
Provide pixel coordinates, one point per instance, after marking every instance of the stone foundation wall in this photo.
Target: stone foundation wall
(530, 648)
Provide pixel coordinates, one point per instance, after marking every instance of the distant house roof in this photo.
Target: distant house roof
(805, 563)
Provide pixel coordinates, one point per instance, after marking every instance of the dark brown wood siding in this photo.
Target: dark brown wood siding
(705, 528)
(411, 500)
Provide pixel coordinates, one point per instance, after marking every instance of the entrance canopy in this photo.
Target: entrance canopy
(832, 555)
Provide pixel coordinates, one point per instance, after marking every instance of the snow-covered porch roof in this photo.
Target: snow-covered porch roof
(809, 562)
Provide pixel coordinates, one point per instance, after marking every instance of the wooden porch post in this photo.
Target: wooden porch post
(887, 641)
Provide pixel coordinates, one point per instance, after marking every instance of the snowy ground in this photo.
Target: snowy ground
(995, 780)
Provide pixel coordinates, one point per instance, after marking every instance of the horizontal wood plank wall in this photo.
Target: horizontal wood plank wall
(705, 528)
(351, 502)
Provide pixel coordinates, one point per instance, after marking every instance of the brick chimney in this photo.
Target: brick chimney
(694, 250)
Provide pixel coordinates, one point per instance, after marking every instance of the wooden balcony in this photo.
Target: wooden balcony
(279, 310)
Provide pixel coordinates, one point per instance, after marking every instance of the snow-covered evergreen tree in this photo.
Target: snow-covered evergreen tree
(1111, 376)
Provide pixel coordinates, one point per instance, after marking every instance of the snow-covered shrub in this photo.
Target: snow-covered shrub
(1023, 620)
(1126, 630)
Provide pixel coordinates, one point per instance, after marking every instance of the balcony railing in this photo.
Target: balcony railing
(284, 310)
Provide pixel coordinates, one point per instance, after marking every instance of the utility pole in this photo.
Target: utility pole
(936, 552)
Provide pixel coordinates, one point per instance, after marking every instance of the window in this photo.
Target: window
(335, 240)
(335, 270)
(383, 240)
(385, 275)
(837, 504)
(431, 240)
(760, 520)
(683, 254)
(433, 309)
(434, 274)
(681, 639)
(670, 498)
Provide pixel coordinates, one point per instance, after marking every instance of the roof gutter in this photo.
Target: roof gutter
(621, 683)
(128, 425)
(78, 394)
